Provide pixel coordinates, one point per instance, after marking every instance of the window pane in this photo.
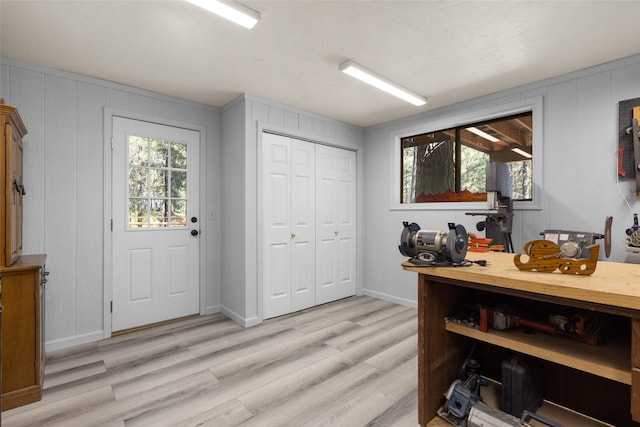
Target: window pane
(178, 184)
(178, 155)
(159, 213)
(429, 166)
(178, 213)
(159, 183)
(522, 180)
(473, 170)
(159, 153)
(138, 213)
(138, 182)
(138, 150)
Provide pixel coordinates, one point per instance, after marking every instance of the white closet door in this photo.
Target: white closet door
(276, 202)
(303, 222)
(336, 224)
(288, 205)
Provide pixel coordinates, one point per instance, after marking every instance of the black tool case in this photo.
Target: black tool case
(521, 385)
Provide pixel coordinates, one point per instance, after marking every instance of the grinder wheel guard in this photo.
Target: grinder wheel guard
(457, 243)
(434, 247)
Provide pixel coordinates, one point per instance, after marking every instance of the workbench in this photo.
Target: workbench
(601, 381)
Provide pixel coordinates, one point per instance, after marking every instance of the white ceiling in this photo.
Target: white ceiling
(448, 51)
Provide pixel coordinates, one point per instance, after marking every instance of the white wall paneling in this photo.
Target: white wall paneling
(64, 178)
(579, 171)
(243, 122)
(62, 114)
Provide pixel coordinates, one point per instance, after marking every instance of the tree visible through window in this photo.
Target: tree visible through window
(451, 164)
(157, 183)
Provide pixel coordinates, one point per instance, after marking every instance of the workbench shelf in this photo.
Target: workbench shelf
(601, 382)
(610, 360)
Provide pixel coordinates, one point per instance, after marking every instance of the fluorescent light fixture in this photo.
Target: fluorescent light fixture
(483, 134)
(522, 153)
(230, 10)
(359, 72)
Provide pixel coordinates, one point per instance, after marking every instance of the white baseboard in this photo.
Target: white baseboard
(240, 320)
(212, 309)
(74, 341)
(390, 298)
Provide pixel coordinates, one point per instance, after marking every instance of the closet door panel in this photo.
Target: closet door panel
(336, 224)
(303, 219)
(276, 251)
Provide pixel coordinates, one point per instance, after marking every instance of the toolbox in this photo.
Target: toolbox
(521, 385)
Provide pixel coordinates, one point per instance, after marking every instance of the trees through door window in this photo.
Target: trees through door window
(157, 189)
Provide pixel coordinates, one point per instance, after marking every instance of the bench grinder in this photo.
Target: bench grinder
(434, 247)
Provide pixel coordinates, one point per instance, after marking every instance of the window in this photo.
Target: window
(462, 163)
(157, 189)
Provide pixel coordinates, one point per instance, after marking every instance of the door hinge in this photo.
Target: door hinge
(112, 225)
(111, 306)
(112, 147)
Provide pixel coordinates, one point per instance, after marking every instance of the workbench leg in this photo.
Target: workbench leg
(635, 369)
(440, 355)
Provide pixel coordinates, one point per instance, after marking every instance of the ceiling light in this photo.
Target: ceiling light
(522, 153)
(368, 76)
(230, 10)
(483, 134)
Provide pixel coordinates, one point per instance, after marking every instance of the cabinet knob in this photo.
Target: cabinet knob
(336, 232)
(293, 235)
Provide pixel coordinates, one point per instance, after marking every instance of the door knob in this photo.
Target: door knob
(336, 232)
(194, 232)
(293, 235)
(194, 219)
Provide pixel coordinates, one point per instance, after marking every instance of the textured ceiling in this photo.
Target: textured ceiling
(448, 51)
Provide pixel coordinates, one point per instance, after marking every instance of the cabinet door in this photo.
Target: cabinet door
(14, 187)
(20, 333)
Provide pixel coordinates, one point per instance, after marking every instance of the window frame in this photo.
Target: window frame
(535, 105)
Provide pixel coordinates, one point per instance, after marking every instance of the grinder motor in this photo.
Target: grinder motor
(434, 247)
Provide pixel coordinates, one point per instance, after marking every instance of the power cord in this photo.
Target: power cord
(480, 262)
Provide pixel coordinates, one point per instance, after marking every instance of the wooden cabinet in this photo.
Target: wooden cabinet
(22, 342)
(600, 381)
(11, 183)
(22, 292)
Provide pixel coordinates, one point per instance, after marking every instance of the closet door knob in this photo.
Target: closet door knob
(293, 235)
(336, 232)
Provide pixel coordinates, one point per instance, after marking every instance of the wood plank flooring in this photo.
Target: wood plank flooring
(348, 363)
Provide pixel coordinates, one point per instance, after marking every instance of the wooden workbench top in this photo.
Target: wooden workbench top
(613, 284)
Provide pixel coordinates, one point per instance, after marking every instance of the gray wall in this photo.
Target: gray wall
(64, 158)
(65, 204)
(243, 121)
(579, 171)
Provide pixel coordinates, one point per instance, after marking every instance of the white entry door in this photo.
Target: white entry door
(155, 223)
(288, 201)
(336, 224)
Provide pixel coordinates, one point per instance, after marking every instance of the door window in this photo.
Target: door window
(157, 187)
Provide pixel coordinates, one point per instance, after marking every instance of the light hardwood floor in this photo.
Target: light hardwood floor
(348, 363)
